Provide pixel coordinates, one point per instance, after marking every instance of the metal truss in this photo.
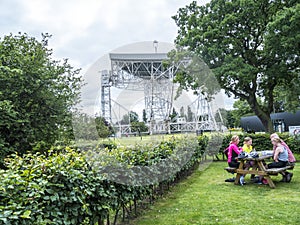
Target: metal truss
(105, 96)
(204, 116)
(146, 72)
(149, 73)
(129, 71)
(158, 98)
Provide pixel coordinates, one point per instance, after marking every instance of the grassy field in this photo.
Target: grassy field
(125, 141)
(204, 198)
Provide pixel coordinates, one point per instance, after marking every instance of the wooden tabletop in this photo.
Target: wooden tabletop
(260, 158)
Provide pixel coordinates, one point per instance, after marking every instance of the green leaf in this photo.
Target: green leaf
(26, 214)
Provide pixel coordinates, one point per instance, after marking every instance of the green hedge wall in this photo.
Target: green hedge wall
(67, 187)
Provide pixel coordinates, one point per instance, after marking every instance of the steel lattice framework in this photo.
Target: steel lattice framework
(149, 73)
(146, 72)
(105, 96)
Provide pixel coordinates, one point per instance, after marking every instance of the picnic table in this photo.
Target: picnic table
(259, 169)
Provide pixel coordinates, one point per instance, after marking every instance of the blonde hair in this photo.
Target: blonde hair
(234, 138)
(274, 135)
(276, 139)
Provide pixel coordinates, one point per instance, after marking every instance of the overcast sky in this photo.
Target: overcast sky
(85, 30)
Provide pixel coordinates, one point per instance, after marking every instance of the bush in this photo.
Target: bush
(37, 93)
(68, 187)
(59, 189)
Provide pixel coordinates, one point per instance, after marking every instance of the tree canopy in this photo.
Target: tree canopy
(253, 48)
(37, 93)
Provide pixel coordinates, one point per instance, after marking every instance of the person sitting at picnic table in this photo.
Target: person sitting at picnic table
(287, 176)
(247, 147)
(280, 158)
(291, 157)
(233, 152)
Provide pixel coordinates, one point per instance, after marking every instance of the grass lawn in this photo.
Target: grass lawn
(125, 141)
(204, 198)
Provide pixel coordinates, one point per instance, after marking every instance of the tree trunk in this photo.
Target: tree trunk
(264, 117)
(267, 122)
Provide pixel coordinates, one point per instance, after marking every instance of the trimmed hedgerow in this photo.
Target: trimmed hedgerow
(67, 187)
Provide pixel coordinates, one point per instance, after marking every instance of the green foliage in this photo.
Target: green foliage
(125, 119)
(195, 75)
(241, 108)
(173, 115)
(134, 117)
(109, 144)
(68, 188)
(145, 116)
(139, 127)
(249, 45)
(262, 142)
(129, 118)
(104, 129)
(84, 127)
(281, 40)
(226, 119)
(90, 128)
(190, 114)
(37, 93)
(59, 189)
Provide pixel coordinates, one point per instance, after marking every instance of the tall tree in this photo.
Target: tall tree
(139, 127)
(190, 114)
(134, 117)
(283, 42)
(182, 113)
(90, 128)
(240, 108)
(145, 116)
(129, 118)
(174, 115)
(125, 119)
(36, 91)
(251, 46)
(104, 129)
(229, 119)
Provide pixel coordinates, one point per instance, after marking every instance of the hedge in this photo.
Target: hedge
(72, 186)
(263, 142)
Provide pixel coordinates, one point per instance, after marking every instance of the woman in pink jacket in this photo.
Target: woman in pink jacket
(234, 151)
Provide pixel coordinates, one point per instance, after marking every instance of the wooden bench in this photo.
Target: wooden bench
(275, 171)
(230, 169)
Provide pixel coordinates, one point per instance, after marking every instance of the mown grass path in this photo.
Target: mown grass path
(204, 198)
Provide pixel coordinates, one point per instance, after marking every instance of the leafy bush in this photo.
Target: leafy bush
(59, 189)
(68, 187)
(37, 93)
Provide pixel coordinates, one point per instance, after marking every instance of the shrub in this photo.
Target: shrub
(59, 189)
(65, 186)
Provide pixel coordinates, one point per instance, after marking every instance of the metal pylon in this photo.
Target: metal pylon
(105, 96)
